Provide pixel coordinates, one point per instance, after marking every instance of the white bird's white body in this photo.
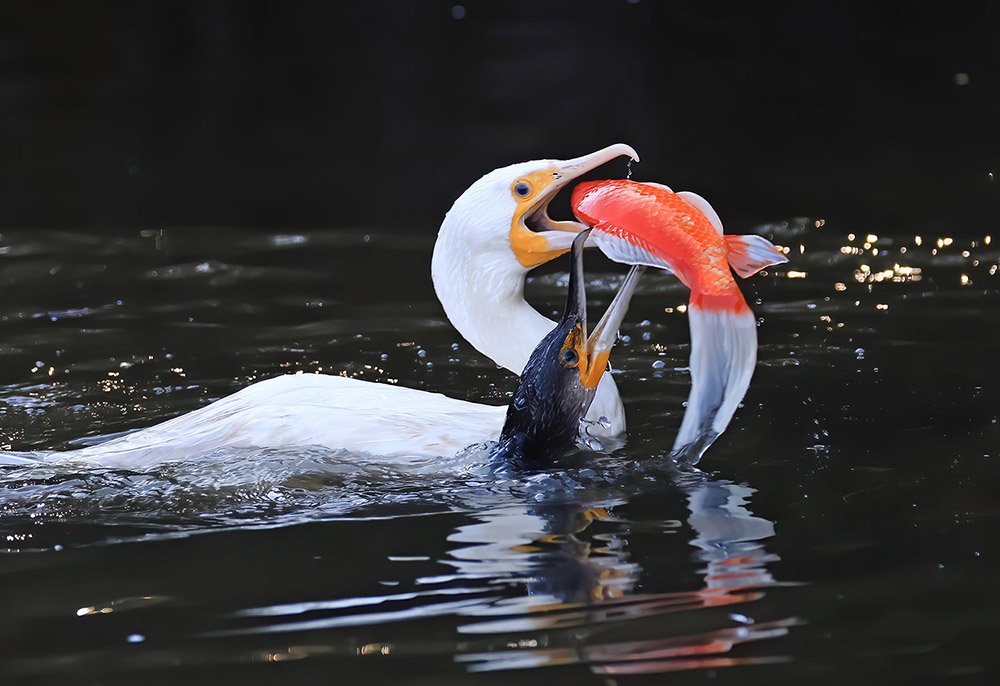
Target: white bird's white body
(303, 410)
(479, 279)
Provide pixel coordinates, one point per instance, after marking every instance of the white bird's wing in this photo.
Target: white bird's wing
(310, 410)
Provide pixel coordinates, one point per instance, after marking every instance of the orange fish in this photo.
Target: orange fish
(647, 223)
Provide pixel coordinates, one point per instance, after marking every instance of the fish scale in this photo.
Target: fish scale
(663, 223)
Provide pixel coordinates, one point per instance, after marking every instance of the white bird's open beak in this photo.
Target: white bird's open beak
(564, 173)
(535, 237)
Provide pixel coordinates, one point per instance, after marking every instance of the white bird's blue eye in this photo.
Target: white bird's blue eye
(522, 189)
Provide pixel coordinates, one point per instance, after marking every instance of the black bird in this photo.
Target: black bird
(560, 379)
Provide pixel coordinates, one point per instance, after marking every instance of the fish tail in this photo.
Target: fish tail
(723, 355)
(749, 254)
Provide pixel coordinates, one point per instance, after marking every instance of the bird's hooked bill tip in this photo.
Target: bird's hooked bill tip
(583, 164)
(619, 149)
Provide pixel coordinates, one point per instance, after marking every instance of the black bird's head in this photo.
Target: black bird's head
(560, 380)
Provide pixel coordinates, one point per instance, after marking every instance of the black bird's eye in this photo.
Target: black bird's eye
(570, 357)
(521, 189)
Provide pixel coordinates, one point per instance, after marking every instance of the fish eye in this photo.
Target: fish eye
(522, 189)
(570, 358)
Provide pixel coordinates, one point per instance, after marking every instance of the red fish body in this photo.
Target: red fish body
(643, 223)
(672, 227)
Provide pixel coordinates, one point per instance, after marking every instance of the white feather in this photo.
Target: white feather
(311, 410)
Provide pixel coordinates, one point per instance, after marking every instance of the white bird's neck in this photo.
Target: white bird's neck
(482, 292)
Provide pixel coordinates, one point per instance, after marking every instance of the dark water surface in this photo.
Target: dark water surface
(843, 529)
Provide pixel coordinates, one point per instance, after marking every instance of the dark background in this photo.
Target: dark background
(149, 114)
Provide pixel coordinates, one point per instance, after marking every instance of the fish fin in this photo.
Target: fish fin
(723, 355)
(749, 254)
(654, 184)
(700, 204)
(625, 251)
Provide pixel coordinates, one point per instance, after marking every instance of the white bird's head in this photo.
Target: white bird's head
(497, 231)
(506, 211)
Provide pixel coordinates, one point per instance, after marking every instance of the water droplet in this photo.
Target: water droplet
(659, 364)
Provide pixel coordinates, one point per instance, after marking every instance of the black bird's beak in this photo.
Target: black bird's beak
(595, 351)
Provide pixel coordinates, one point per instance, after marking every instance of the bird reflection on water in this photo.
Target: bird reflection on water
(577, 582)
(549, 574)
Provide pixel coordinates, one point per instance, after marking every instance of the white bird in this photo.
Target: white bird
(494, 234)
